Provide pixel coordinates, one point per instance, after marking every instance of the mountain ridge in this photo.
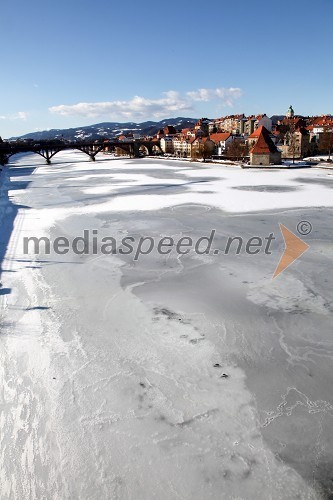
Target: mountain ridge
(108, 130)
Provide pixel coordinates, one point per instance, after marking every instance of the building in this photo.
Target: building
(265, 121)
(252, 123)
(233, 124)
(202, 147)
(181, 147)
(202, 127)
(249, 125)
(221, 141)
(187, 133)
(295, 143)
(169, 130)
(252, 139)
(216, 125)
(264, 151)
(320, 124)
(166, 143)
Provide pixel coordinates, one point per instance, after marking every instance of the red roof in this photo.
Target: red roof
(199, 140)
(264, 143)
(220, 136)
(257, 132)
(321, 120)
(169, 130)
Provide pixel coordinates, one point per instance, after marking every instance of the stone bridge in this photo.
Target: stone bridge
(48, 149)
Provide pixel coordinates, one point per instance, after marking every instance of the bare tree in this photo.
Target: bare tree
(237, 149)
(292, 142)
(203, 151)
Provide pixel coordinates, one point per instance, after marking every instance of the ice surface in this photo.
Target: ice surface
(172, 377)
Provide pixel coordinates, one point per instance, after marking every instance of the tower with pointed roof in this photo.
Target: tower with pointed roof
(264, 151)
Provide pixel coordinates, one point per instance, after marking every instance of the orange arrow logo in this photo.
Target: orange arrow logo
(294, 248)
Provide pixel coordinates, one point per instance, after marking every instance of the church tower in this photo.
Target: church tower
(290, 112)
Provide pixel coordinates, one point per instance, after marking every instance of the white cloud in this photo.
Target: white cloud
(171, 102)
(20, 115)
(137, 107)
(227, 95)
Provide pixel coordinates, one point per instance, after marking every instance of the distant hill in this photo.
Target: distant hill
(276, 118)
(109, 130)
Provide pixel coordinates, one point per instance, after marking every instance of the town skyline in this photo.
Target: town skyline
(254, 139)
(183, 117)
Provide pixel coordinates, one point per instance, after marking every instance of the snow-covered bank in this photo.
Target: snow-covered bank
(169, 377)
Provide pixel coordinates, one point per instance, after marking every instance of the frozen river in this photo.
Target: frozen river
(165, 376)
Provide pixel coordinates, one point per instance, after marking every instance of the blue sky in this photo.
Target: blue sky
(73, 63)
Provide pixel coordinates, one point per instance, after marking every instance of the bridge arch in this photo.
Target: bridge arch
(156, 149)
(143, 150)
(126, 148)
(48, 149)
